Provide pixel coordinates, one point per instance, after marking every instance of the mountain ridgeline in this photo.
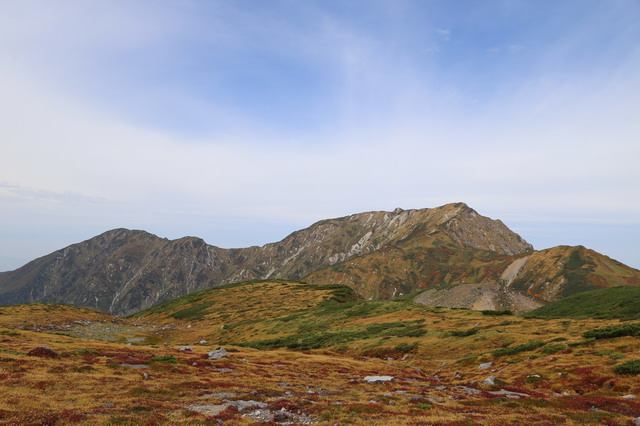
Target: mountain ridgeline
(449, 256)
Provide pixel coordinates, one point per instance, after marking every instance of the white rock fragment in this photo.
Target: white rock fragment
(491, 381)
(218, 353)
(378, 379)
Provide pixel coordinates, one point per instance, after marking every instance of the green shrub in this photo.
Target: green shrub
(164, 358)
(194, 312)
(406, 347)
(305, 340)
(628, 368)
(497, 313)
(607, 303)
(463, 333)
(552, 348)
(529, 346)
(613, 331)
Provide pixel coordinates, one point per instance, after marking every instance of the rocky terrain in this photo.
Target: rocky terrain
(381, 255)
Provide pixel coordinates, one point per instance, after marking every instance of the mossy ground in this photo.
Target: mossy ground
(316, 346)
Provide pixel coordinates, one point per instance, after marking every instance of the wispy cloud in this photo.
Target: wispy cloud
(300, 119)
(443, 33)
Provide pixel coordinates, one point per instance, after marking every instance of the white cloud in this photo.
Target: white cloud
(558, 148)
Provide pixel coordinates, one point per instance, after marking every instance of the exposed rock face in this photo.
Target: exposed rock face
(380, 254)
(531, 280)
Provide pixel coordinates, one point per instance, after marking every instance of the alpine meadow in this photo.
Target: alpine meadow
(355, 212)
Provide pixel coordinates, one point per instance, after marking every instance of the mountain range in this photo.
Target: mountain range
(444, 256)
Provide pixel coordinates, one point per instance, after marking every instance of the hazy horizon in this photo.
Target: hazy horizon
(240, 122)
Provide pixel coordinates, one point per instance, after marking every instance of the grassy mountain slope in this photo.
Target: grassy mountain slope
(616, 302)
(476, 279)
(301, 354)
(562, 271)
(411, 266)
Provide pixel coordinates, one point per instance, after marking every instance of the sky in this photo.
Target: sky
(242, 121)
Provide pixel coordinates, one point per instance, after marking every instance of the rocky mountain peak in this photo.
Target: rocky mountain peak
(123, 270)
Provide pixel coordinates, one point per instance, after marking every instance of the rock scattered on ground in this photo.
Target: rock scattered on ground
(256, 410)
(491, 381)
(378, 379)
(509, 394)
(485, 365)
(134, 366)
(218, 353)
(207, 409)
(219, 395)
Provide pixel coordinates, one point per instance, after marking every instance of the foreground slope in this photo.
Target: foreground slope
(123, 271)
(301, 354)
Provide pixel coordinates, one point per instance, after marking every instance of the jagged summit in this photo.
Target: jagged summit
(379, 253)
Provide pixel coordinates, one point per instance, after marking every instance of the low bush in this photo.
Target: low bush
(529, 346)
(406, 347)
(613, 331)
(164, 358)
(628, 368)
(305, 340)
(552, 348)
(194, 312)
(463, 333)
(497, 313)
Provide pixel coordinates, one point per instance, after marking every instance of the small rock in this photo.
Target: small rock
(469, 391)
(219, 395)
(242, 405)
(218, 353)
(457, 376)
(491, 381)
(485, 365)
(185, 349)
(509, 394)
(134, 366)
(636, 421)
(202, 342)
(629, 396)
(208, 409)
(145, 376)
(43, 352)
(378, 379)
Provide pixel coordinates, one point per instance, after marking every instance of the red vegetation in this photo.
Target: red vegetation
(43, 352)
(613, 405)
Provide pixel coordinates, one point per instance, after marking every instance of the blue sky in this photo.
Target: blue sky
(242, 121)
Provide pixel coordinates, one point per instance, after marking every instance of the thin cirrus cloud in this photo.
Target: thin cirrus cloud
(241, 123)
